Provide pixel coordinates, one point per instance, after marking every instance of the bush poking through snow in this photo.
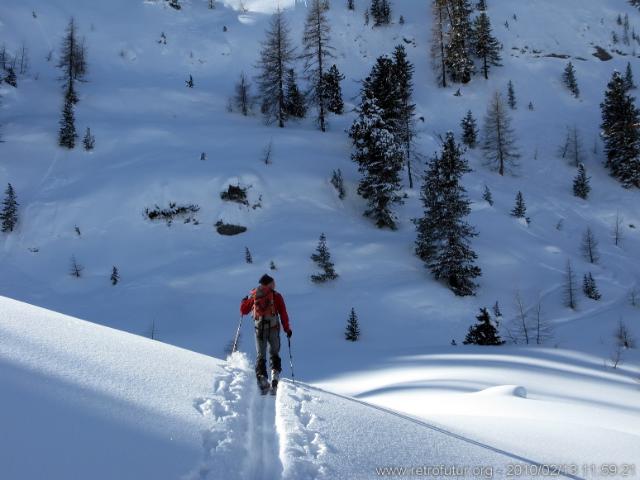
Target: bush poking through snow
(174, 211)
(235, 193)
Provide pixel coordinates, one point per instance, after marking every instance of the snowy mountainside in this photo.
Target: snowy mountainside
(81, 400)
(184, 282)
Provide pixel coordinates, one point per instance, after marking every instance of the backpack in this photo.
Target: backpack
(263, 303)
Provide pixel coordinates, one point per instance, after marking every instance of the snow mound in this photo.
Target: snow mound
(505, 391)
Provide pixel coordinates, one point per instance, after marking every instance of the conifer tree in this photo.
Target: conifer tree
(458, 48)
(322, 258)
(499, 140)
(439, 40)
(76, 269)
(115, 276)
(569, 79)
(243, 99)
(520, 209)
(483, 332)
(485, 45)
(89, 141)
(572, 149)
(380, 12)
(511, 96)
(620, 119)
(487, 196)
(481, 6)
(11, 78)
(338, 183)
(72, 62)
(9, 213)
(189, 82)
(379, 159)
(294, 104)
(67, 134)
(589, 246)
(405, 122)
(317, 52)
(590, 288)
(352, 332)
(247, 255)
(351, 4)
(570, 297)
(333, 90)
(628, 78)
(469, 130)
(442, 233)
(276, 56)
(581, 187)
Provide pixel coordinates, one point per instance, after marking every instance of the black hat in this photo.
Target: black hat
(265, 279)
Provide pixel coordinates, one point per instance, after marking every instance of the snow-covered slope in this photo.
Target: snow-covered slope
(84, 401)
(185, 281)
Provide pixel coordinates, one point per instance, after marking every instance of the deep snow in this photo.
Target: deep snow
(187, 280)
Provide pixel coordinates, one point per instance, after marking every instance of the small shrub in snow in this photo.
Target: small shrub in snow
(235, 193)
(247, 255)
(172, 212)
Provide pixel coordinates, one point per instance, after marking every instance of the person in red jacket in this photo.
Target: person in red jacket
(268, 310)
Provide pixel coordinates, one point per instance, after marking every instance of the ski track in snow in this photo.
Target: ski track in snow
(242, 442)
(223, 442)
(302, 447)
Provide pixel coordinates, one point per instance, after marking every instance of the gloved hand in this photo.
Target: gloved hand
(289, 333)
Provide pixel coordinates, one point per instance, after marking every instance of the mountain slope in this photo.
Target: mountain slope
(185, 281)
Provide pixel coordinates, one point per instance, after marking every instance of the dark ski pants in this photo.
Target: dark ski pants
(267, 335)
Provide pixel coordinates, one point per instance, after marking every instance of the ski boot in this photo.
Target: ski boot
(263, 384)
(275, 377)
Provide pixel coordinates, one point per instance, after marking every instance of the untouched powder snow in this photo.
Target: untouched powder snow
(79, 400)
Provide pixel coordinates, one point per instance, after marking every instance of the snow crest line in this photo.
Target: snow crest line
(432, 427)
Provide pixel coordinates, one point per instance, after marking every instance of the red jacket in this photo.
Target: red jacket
(247, 305)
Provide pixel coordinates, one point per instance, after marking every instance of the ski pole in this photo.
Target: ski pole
(235, 340)
(293, 377)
